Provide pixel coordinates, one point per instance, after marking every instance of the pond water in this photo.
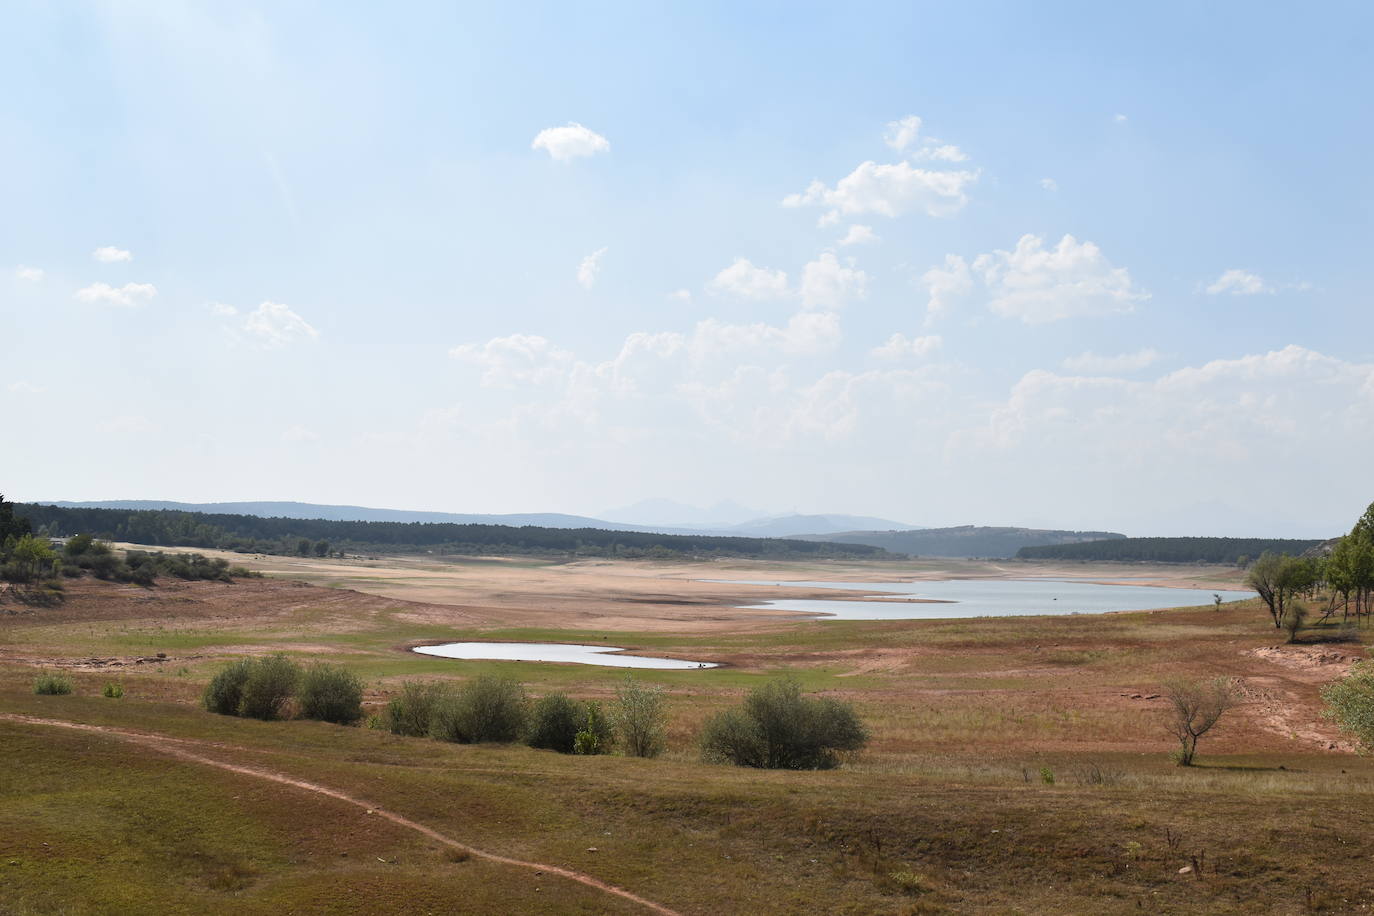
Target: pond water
(554, 652)
(991, 598)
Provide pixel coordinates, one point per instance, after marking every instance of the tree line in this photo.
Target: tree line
(1345, 574)
(254, 534)
(1234, 551)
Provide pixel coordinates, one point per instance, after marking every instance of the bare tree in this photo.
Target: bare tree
(1194, 707)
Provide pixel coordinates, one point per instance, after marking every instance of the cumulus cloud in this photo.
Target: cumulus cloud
(1119, 118)
(1049, 184)
(109, 254)
(899, 346)
(1037, 284)
(517, 359)
(130, 295)
(889, 190)
(589, 268)
(1090, 363)
(744, 280)
(828, 284)
(902, 133)
(221, 309)
(570, 142)
(859, 235)
(1238, 283)
(941, 152)
(30, 274)
(275, 325)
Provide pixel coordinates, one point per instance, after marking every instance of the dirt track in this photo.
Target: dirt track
(178, 747)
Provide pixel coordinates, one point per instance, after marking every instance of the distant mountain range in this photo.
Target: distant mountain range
(963, 541)
(775, 527)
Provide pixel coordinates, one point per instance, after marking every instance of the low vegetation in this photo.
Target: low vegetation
(779, 728)
(331, 694)
(1350, 702)
(52, 685)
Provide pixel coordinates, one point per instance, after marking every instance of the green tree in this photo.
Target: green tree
(30, 558)
(1275, 577)
(11, 525)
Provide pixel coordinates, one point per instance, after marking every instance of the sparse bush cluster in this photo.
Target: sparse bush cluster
(264, 688)
(778, 728)
(497, 710)
(52, 685)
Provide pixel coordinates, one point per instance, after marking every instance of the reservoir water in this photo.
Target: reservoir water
(554, 652)
(989, 598)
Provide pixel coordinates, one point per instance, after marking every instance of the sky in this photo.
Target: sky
(1076, 265)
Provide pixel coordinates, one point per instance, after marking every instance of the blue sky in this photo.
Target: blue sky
(1071, 265)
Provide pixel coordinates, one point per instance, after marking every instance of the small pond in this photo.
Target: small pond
(957, 598)
(554, 652)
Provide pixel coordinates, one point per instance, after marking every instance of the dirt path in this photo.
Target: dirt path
(176, 747)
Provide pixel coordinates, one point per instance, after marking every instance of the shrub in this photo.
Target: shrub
(554, 723)
(412, 713)
(113, 691)
(778, 728)
(225, 690)
(52, 685)
(331, 694)
(1350, 702)
(640, 718)
(595, 736)
(485, 709)
(271, 682)
(1294, 616)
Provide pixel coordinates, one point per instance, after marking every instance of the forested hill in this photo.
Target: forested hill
(1169, 550)
(964, 540)
(255, 534)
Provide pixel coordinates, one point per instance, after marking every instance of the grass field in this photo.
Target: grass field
(1018, 764)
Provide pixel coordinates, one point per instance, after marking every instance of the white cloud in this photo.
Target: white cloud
(1090, 363)
(129, 295)
(1119, 118)
(1238, 283)
(890, 190)
(517, 359)
(109, 254)
(31, 274)
(941, 152)
(899, 346)
(570, 142)
(1036, 284)
(22, 387)
(1049, 184)
(221, 309)
(682, 295)
(589, 268)
(946, 285)
(828, 284)
(276, 325)
(902, 133)
(859, 235)
(746, 281)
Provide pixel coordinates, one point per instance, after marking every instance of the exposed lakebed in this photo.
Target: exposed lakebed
(555, 652)
(937, 599)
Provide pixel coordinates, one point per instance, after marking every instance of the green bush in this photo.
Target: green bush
(113, 691)
(595, 736)
(1350, 702)
(52, 685)
(412, 713)
(640, 718)
(778, 728)
(271, 682)
(554, 723)
(225, 690)
(331, 694)
(256, 688)
(487, 709)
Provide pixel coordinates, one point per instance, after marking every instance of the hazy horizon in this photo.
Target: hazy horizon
(1054, 266)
